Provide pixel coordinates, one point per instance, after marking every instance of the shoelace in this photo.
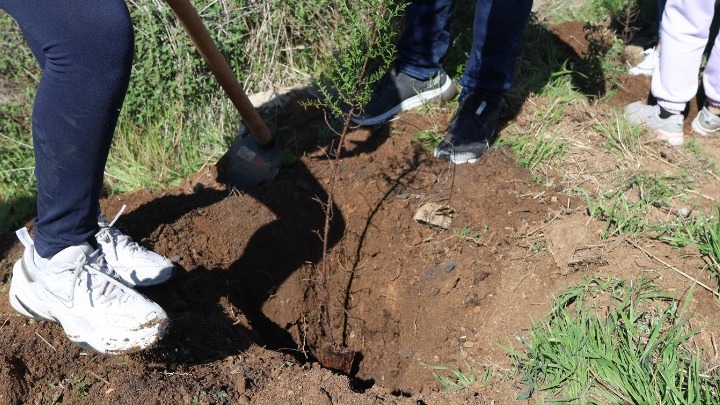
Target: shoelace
(117, 239)
(97, 280)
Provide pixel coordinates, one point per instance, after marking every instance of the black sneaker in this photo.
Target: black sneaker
(397, 92)
(470, 132)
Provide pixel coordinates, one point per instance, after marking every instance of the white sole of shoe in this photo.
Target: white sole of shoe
(409, 104)
(22, 299)
(641, 72)
(672, 138)
(698, 128)
(457, 161)
(26, 297)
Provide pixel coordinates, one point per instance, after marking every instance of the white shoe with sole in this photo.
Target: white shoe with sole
(648, 65)
(76, 289)
(668, 129)
(134, 264)
(706, 123)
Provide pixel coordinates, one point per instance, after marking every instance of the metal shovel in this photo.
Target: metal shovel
(255, 158)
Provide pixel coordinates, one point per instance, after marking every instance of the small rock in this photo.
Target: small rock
(633, 54)
(473, 299)
(468, 345)
(480, 276)
(435, 215)
(668, 154)
(449, 285)
(684, 211)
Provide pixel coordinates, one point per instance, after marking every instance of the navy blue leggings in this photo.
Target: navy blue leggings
(85, 50)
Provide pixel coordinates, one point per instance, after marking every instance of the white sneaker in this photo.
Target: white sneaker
(134, 264)
(76, 289)
(706, 123)
(648, 64)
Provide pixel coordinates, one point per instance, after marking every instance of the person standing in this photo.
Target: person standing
(417, 76)
(685, 30)
(85, 49)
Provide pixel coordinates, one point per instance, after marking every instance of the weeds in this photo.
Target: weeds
(17, 180)
(609, 341)
(428, 139)
(622, 138)
(538, 247)
(701, 231)
(629, 208)
(472, 235)
(203, 396)
(454, 379)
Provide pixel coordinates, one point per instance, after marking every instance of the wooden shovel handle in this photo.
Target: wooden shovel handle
(190, 20)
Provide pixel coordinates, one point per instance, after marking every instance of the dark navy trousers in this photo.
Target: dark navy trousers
(497, 35)
(85, 50)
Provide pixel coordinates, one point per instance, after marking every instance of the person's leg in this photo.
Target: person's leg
(497, 36)
(85, 49)
(661, 10)
(425, 38)
(684, 33)
(707, 121)
(711, 76)
(417, 76)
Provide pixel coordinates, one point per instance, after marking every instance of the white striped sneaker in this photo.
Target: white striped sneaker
(76, 289)
(134, 264)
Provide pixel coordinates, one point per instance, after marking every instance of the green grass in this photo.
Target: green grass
(454, 379)
(622, 138)
(635, 206)
(539, 145)
(471, 234)
(17, 180)
(176, 118)
(608, 341)
(702, 231)
(428, 139)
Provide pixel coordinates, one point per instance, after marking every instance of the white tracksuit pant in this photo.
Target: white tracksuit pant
(684, 33)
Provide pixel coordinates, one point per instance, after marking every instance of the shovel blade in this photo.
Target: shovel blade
(251, 164)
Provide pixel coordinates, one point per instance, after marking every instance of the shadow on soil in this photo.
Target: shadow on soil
(198, 299)
(204, 329)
